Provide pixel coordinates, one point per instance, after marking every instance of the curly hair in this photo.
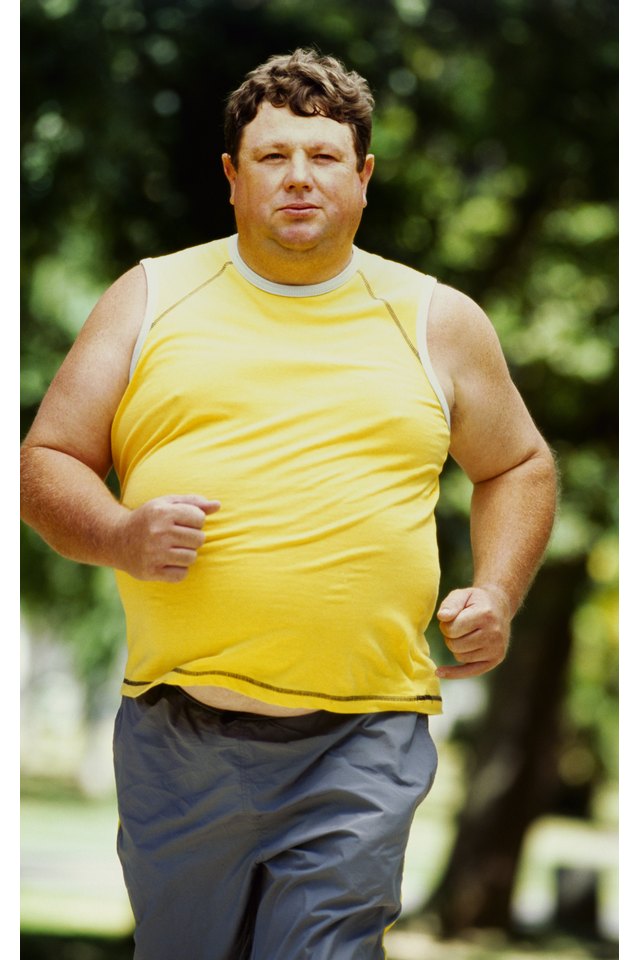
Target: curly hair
(309, 84)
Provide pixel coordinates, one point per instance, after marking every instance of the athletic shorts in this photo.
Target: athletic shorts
(244, 837)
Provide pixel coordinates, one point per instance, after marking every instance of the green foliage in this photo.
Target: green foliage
(496, 165)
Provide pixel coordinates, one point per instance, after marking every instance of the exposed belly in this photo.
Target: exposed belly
(224, 699)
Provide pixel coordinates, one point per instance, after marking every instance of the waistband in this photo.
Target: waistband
(249, 725)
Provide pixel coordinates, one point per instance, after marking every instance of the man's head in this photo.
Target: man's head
(309, 85)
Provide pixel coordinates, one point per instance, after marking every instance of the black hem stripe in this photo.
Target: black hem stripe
(300, 693)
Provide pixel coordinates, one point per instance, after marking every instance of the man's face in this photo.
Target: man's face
(296, 188)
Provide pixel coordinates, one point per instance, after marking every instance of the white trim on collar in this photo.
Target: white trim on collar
(290, 290)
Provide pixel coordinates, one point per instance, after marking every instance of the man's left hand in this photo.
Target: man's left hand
(475, 623)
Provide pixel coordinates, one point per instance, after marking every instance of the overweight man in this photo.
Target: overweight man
(278, 406)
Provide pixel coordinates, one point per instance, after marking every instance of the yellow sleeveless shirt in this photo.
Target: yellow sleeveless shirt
(313, 414)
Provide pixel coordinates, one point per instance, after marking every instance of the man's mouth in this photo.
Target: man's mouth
(298, 207)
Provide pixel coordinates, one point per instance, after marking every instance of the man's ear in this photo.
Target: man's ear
(230, 174)
(366, 174)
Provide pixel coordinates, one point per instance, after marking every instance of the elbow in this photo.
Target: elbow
(544, 474)
(546, 462)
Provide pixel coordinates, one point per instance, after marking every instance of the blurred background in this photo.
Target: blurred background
(496, 144)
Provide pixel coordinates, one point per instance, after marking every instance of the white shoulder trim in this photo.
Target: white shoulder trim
(149, 313)
(423, 347)
(290, 290)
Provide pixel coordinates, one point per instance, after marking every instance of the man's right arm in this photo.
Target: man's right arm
(66, 457)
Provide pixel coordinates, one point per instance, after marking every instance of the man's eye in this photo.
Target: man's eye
(324, 156)
(272, 156)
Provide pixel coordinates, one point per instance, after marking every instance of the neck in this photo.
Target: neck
(295, 267)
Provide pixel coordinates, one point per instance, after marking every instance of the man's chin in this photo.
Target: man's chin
(298, 239)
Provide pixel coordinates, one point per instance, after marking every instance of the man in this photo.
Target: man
(278, 407)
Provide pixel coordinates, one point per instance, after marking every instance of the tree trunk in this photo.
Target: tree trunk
(514, 771)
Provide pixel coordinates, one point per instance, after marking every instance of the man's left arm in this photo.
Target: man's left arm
(495, 441)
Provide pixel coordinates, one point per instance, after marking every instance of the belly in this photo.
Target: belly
(223, 699)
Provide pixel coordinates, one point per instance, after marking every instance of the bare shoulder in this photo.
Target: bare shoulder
(77, 411)
(491, 428)
(460, 331)
(118, 314)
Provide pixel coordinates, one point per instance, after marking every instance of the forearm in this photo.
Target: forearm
(71, 508)
(511, 520)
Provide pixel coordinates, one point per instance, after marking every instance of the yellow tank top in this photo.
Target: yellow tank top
(313, 414)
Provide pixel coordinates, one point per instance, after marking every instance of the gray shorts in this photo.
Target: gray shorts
(252, 838)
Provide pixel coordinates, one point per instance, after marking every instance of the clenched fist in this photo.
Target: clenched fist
(160, 539)
(475, 624)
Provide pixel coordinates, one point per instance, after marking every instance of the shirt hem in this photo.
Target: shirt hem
(428, 703)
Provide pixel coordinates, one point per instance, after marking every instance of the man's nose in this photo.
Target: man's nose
(298, 174)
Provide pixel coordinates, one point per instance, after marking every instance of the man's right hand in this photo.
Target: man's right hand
(160, 539)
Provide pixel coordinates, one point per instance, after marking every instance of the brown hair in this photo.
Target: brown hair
(309, 84)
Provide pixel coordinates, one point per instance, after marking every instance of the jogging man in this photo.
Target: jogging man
(278, 406)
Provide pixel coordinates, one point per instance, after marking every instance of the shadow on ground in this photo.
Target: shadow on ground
(47, 947)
